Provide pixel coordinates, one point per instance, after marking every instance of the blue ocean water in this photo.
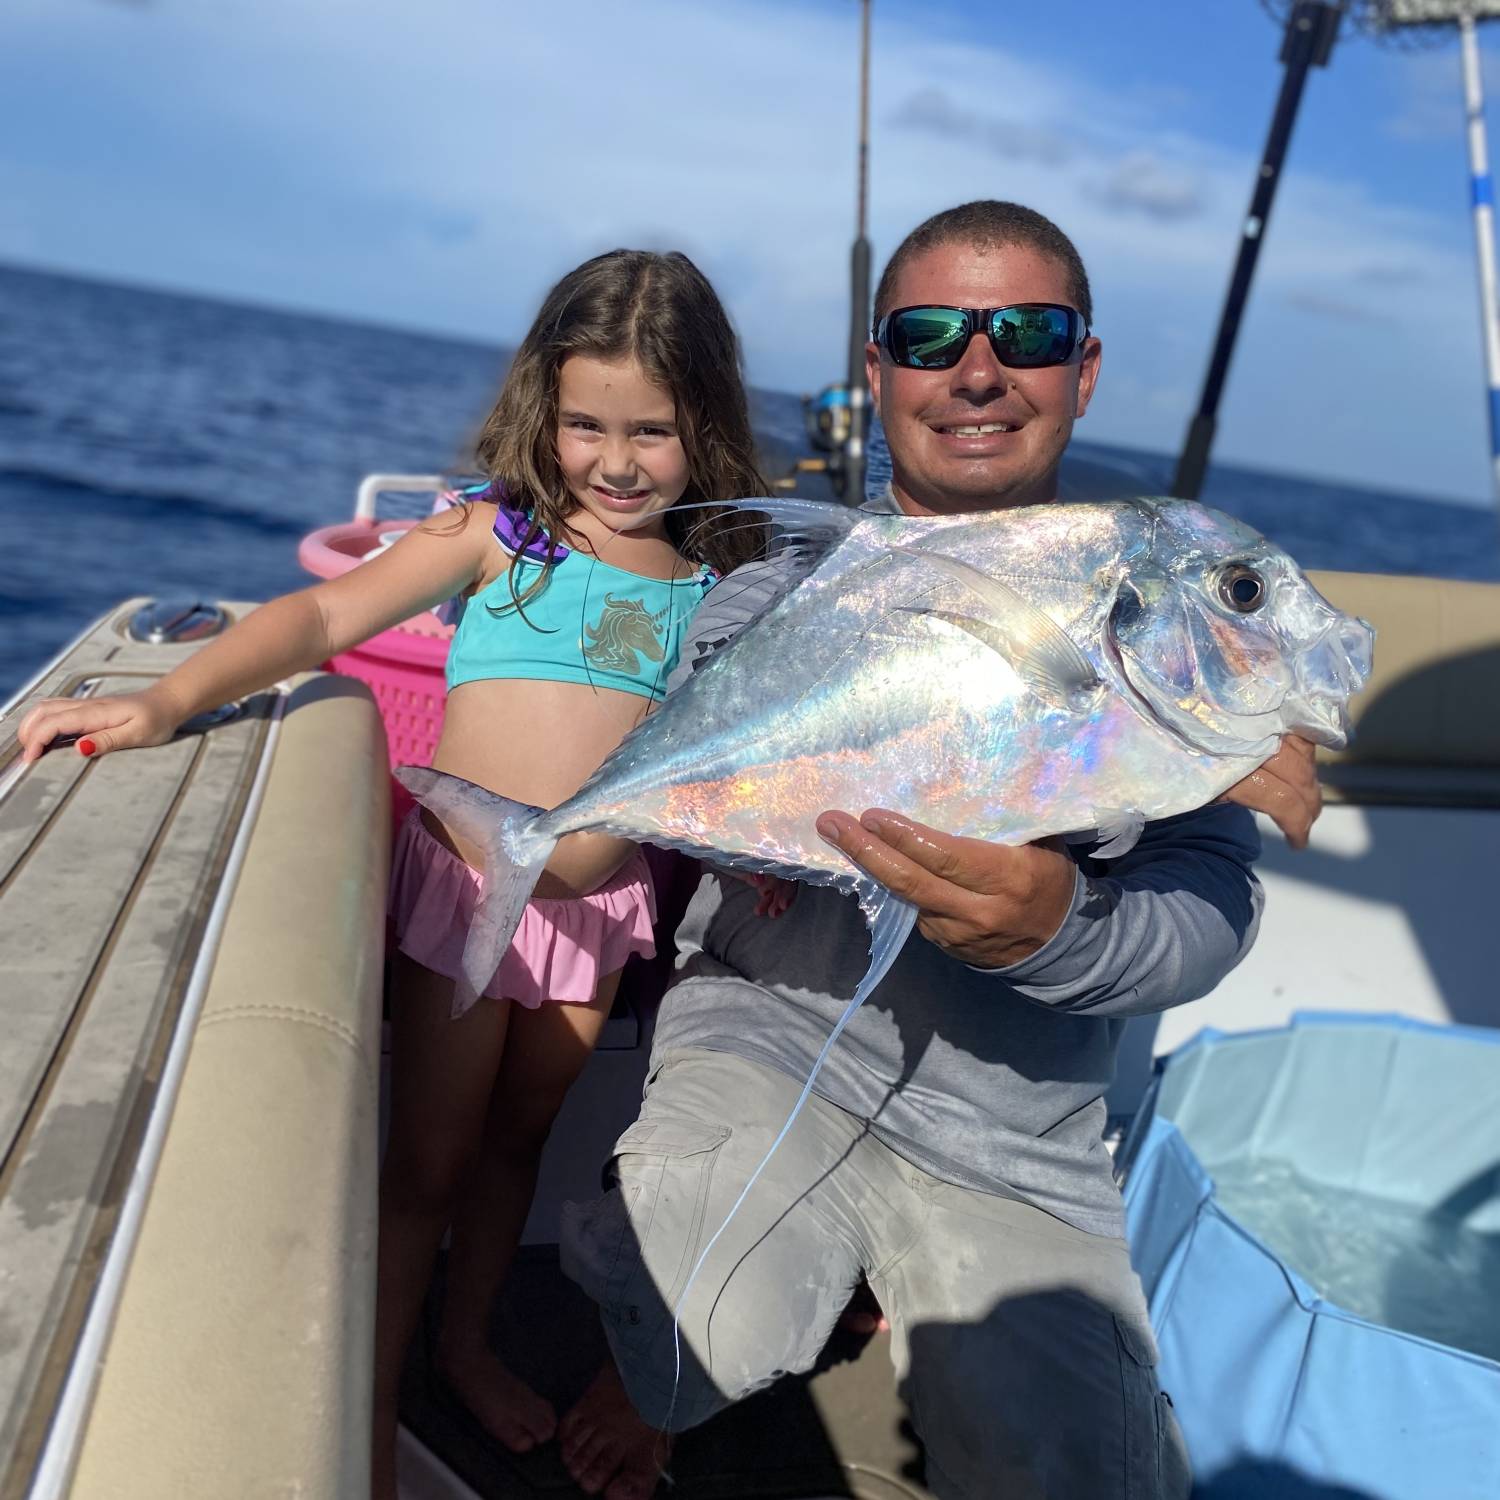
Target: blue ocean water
(158, 444)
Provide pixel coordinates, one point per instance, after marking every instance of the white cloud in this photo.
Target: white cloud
(1142, 182)
(930, 109)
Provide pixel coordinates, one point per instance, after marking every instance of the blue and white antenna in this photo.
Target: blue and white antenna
(1483, 193)
(1392, 16)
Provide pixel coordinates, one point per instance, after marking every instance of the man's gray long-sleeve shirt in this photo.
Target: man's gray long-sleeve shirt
(994, 1080)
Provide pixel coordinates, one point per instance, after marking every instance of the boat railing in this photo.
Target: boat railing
(372, 486)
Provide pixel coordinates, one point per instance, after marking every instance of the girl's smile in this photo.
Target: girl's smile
(618, 447)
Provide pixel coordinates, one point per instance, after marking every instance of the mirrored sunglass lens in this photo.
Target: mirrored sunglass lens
(1033, 335)
(926, 335)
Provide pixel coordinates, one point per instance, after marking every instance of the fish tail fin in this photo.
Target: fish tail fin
(513, 855)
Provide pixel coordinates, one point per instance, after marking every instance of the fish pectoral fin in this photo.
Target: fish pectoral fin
(1046, 660)
(1041, 651)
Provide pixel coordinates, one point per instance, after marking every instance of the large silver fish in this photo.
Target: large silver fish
(1060, 669)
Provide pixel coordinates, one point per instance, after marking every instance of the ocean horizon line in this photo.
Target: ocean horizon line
(1228, 462)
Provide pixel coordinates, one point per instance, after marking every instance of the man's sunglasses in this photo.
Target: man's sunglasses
(1025, 336)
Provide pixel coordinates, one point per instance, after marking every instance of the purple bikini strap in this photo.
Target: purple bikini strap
(511, 526)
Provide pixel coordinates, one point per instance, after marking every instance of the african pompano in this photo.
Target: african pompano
(1059, 669)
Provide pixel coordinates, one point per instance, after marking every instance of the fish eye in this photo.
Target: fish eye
(1241, 588)
(1129, 607)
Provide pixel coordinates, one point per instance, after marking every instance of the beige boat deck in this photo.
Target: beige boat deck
(135, 991)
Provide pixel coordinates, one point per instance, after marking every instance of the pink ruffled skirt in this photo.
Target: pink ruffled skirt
(562, 947)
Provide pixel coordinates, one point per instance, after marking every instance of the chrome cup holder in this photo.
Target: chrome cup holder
(171, 622)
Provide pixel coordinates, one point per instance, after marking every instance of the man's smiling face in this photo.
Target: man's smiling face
(979, 436)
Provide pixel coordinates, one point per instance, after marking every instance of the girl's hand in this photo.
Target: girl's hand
(99, 724)
(775, 894)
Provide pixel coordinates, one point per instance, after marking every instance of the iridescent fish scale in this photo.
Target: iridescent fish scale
(867, 686)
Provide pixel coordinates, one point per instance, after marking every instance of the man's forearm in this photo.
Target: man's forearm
(1162, 927)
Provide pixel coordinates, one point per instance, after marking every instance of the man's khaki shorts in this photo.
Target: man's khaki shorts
(1021, 1344)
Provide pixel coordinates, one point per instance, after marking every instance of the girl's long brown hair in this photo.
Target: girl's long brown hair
(660, 310)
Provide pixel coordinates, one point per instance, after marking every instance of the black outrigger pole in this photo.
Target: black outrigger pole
(859, 312)
(1311, 30)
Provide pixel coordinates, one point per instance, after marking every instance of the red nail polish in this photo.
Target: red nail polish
(86, 747)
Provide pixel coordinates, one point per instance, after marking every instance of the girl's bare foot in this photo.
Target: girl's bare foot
(863, 1315)
(606, 1445)
(506, 1407)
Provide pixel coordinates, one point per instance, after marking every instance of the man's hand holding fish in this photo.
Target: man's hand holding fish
(990, 905)
(1286, 789)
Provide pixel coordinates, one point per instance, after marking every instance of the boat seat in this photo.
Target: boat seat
(191, 939)
(1427, 725)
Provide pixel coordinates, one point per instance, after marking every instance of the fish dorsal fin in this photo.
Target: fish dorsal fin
(1042, 653)
(805, 517)
(820, 524)
(803, 533)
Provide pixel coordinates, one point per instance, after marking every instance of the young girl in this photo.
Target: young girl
(576, 580)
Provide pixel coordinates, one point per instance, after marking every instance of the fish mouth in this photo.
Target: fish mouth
(1324, 721)
(1329, 673)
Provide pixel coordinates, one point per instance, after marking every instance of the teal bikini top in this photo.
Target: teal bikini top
(590, 622)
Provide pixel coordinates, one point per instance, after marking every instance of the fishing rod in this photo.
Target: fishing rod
(859, 288)
(1311, 30)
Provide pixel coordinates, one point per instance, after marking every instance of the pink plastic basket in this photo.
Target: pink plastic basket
(404, 665)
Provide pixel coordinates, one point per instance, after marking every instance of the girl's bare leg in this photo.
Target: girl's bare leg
(545, 1050)
(442, 1075)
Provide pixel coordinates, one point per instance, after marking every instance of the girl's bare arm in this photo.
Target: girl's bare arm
(430, 563)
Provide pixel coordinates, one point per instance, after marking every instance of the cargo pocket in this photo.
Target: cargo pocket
(1144, 1412)
(632, 1249)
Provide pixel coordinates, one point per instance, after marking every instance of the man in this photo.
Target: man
(952, 1151)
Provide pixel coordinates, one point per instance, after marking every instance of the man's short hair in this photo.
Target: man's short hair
(986, 224)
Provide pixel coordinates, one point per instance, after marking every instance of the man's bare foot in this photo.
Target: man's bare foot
(507, 1408)
(607, 1447)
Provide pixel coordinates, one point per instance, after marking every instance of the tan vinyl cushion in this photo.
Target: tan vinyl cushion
(1427, 726)
(240, 1363)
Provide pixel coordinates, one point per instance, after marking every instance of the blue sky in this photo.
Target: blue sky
(438, 165)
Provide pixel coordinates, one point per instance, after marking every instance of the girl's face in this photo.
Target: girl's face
(618, 447)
